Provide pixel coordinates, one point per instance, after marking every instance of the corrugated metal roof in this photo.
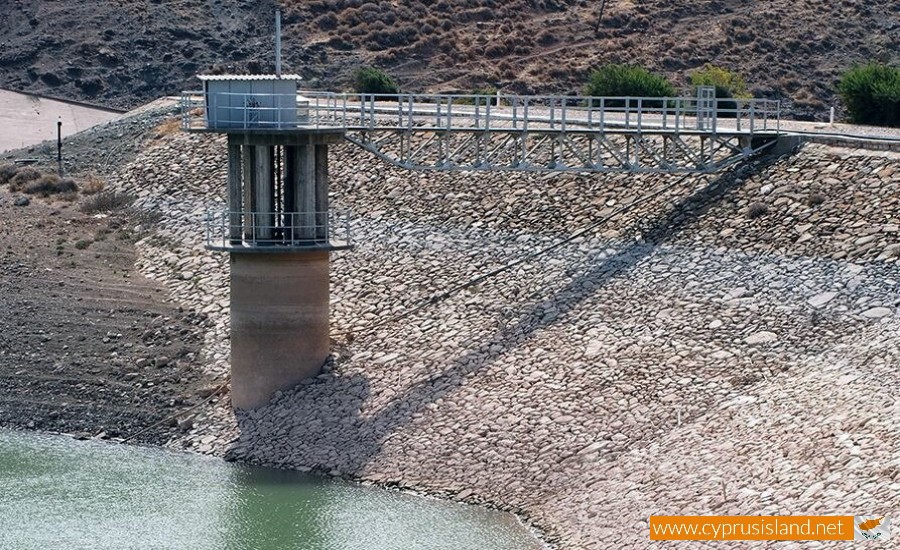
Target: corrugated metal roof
(248, 77)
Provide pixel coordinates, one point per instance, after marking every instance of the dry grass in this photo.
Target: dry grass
(23, 177)
(50, 184)
(92, 185)
(106, 201)
(168, 128)
(7, 171)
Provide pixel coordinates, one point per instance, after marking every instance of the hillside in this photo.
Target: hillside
(124, 53)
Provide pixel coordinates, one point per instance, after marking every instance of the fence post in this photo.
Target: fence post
(564, 102)
(640, 113)
(602, 113)
(628, 112)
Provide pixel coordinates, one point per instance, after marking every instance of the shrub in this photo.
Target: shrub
(728, 85)
(327, 22)
(106, 201)
(144, 217)
(627, 81)
(50, 184)
(728, 82)
(7, 171)
(169, 127)
(815, 199)
(369, 80)
(92, 185)
(872, 94)
(23, 177)
(757, 209)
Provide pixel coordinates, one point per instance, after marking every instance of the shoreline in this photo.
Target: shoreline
(521, 519)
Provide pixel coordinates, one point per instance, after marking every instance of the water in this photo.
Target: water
(57, 493)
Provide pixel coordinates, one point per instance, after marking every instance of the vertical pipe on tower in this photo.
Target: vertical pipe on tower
(321, 190)
(235, 190)
(247, 156)
(305, 191)
(264, 207)
(278, 43)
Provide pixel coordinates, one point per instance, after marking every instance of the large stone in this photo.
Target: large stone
(761, 337)
(890, 251)
(877, 312)
(821, 299)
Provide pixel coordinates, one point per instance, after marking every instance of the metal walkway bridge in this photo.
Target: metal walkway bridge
(512, 133)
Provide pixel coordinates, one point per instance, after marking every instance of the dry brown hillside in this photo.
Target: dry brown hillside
(130, 51)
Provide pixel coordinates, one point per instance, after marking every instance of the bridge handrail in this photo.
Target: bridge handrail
(462, 112)
(229, 229)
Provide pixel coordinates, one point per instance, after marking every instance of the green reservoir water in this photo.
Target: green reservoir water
(58, 493)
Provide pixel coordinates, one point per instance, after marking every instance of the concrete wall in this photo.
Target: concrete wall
(28, 120)
(279, 322)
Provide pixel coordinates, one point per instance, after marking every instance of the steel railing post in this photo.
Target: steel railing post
(410, 118)
(525, 115)
(640, 113)
(715, 115)
(602, 113)
(515, 109)
(552, 113)
(477, 112)
(628, 112)
(665, 114)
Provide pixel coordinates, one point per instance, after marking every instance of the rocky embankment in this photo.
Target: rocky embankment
(728, 347)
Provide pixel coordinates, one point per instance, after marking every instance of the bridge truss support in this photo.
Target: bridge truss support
(571, 151)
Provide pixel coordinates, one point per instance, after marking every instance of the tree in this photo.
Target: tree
(728, 85)
(872, 94)
(369, 80)
(628, 81)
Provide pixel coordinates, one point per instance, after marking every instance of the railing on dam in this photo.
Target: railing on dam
(273, 231)
(476, 113)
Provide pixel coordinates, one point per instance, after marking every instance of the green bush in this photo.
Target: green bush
(872, 94)
(627, 81)
(728, 85)
(369, 80)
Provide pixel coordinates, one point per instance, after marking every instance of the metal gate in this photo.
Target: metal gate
(706, 108)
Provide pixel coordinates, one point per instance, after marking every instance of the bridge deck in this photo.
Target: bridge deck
(545, 133)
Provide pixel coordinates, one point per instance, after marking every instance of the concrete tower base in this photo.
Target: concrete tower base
(279, 322)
